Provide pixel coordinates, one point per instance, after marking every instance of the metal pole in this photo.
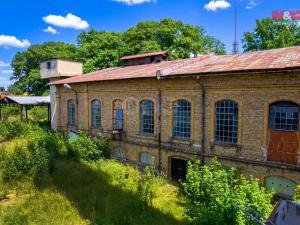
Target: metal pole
(49, 114)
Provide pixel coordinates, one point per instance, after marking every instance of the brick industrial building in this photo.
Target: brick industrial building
(243, 109)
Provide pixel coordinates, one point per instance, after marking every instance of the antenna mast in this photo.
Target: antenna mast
(235, 43)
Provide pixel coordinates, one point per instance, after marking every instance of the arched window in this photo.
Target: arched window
(118, 115)
(119, 153)
(226, 122)
(182, 119)
(71, 112)
(147, 159)
(96, 114)
(147, 117)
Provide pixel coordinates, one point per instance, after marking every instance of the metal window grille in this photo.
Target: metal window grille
(226, 125)
(71, 113)
(96, 114)
(147, 159)
(182, 119)
(147, 117)
(284, 117)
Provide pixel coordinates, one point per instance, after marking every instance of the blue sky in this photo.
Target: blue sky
(24, 23)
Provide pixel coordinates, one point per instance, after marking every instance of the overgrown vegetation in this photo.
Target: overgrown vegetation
(297, 194)
(46, 179)
(215, 191)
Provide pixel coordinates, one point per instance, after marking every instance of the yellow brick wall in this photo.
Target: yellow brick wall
(253, 93)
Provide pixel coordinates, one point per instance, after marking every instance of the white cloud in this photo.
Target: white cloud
(134, 2)
(50, 29)
(214, 5)
(69, 21)
(5, 82)
(11, 41)
(3, 64)
(252, 4)
(6, 71)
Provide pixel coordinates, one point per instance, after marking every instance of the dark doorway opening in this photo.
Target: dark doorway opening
(178, 169)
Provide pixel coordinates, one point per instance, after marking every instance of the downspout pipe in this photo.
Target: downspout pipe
(203, 119)
(159, 130)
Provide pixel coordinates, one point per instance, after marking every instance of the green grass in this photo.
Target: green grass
(78, 193)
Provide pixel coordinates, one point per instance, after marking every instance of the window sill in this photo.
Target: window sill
(146, 135)
(228, 145)
(71, 127)
(182, 140)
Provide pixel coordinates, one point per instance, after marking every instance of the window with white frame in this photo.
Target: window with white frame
(71, 112)
(226, 122)
(147, 159)
(182, 119)
(96, 114)
(146, 117)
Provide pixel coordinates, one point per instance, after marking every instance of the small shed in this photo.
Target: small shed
(26, 102)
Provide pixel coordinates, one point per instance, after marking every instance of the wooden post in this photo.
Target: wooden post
(21, 113)
(26, 113)
(0, 112)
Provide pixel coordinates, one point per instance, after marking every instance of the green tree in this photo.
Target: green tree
(100, 50)
(269, 34)
(180, 39)
(215, 191)
(26, 66)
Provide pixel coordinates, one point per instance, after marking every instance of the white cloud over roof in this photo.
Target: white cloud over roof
(11, 41)
(68, 21)
(214, 5)
(134, 2)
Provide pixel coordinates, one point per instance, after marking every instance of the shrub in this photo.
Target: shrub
(124, 177)
(38, 114)
(11, 130)
(297, 194)
(147, 188)
(215, 191)
(34, 153)
(85, 148)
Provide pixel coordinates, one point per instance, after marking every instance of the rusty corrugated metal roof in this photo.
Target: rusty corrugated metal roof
(119, 73)
(284, 58)
(144, 55)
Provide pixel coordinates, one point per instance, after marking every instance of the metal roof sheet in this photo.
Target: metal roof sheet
(119, 73)
(283, 58)
(144, 55)
(28, 100)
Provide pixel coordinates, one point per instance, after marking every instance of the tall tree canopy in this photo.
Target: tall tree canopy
(26, 66)
(269, 34)
(101, 49)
